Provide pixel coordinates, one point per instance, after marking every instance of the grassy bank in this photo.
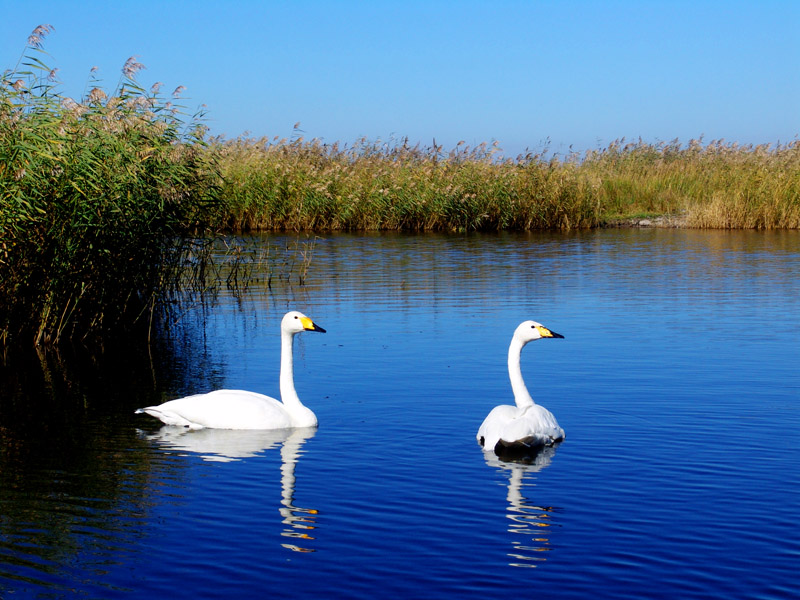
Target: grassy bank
(297, 185)
(716, 185)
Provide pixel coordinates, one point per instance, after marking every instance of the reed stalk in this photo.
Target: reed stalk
(295, 185)
(94, 194)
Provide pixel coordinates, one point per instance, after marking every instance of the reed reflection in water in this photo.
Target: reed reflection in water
(229, 445)
(529, 524)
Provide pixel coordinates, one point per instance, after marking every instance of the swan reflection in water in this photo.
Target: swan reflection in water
(228, 445)
(529, 523)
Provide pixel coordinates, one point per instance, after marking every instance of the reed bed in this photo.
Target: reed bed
(716, 185)
(297, 185)
(108, 202)
(96, 198)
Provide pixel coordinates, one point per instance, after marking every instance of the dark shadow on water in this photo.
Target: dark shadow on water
(70, 457)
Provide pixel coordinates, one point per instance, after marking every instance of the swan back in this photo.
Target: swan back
(223, 409)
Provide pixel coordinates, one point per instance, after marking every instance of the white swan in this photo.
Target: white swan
(238, 409)
(526, 426)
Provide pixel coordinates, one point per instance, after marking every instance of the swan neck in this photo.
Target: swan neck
(288, 393)
(521, 395)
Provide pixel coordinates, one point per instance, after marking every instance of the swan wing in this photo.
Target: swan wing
(491, 430)
(510, 425)
(223, 409)
(533, 426)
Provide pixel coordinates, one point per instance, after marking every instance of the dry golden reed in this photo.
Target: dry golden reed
(281, 184)
(298, 185)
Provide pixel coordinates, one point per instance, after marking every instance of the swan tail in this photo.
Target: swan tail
(167, 417)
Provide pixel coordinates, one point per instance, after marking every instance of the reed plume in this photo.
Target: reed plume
(96, 200)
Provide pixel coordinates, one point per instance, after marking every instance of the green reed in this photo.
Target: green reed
(96, 195)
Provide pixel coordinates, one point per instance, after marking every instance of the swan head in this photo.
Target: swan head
(531, 330)
(295, 322)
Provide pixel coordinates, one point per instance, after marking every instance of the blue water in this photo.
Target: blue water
(677, 383)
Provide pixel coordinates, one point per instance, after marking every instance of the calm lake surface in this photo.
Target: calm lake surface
(677, 383)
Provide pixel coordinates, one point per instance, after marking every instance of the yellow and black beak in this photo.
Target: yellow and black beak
(309, 325)
(546, 333)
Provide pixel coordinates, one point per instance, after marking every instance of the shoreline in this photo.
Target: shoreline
(661, 221)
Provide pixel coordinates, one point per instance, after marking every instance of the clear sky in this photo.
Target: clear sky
(577, 73)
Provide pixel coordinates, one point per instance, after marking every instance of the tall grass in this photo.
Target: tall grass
(96, 195)
(296, 185)
(714, 185)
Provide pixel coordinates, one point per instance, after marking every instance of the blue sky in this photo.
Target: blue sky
(577, 73)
